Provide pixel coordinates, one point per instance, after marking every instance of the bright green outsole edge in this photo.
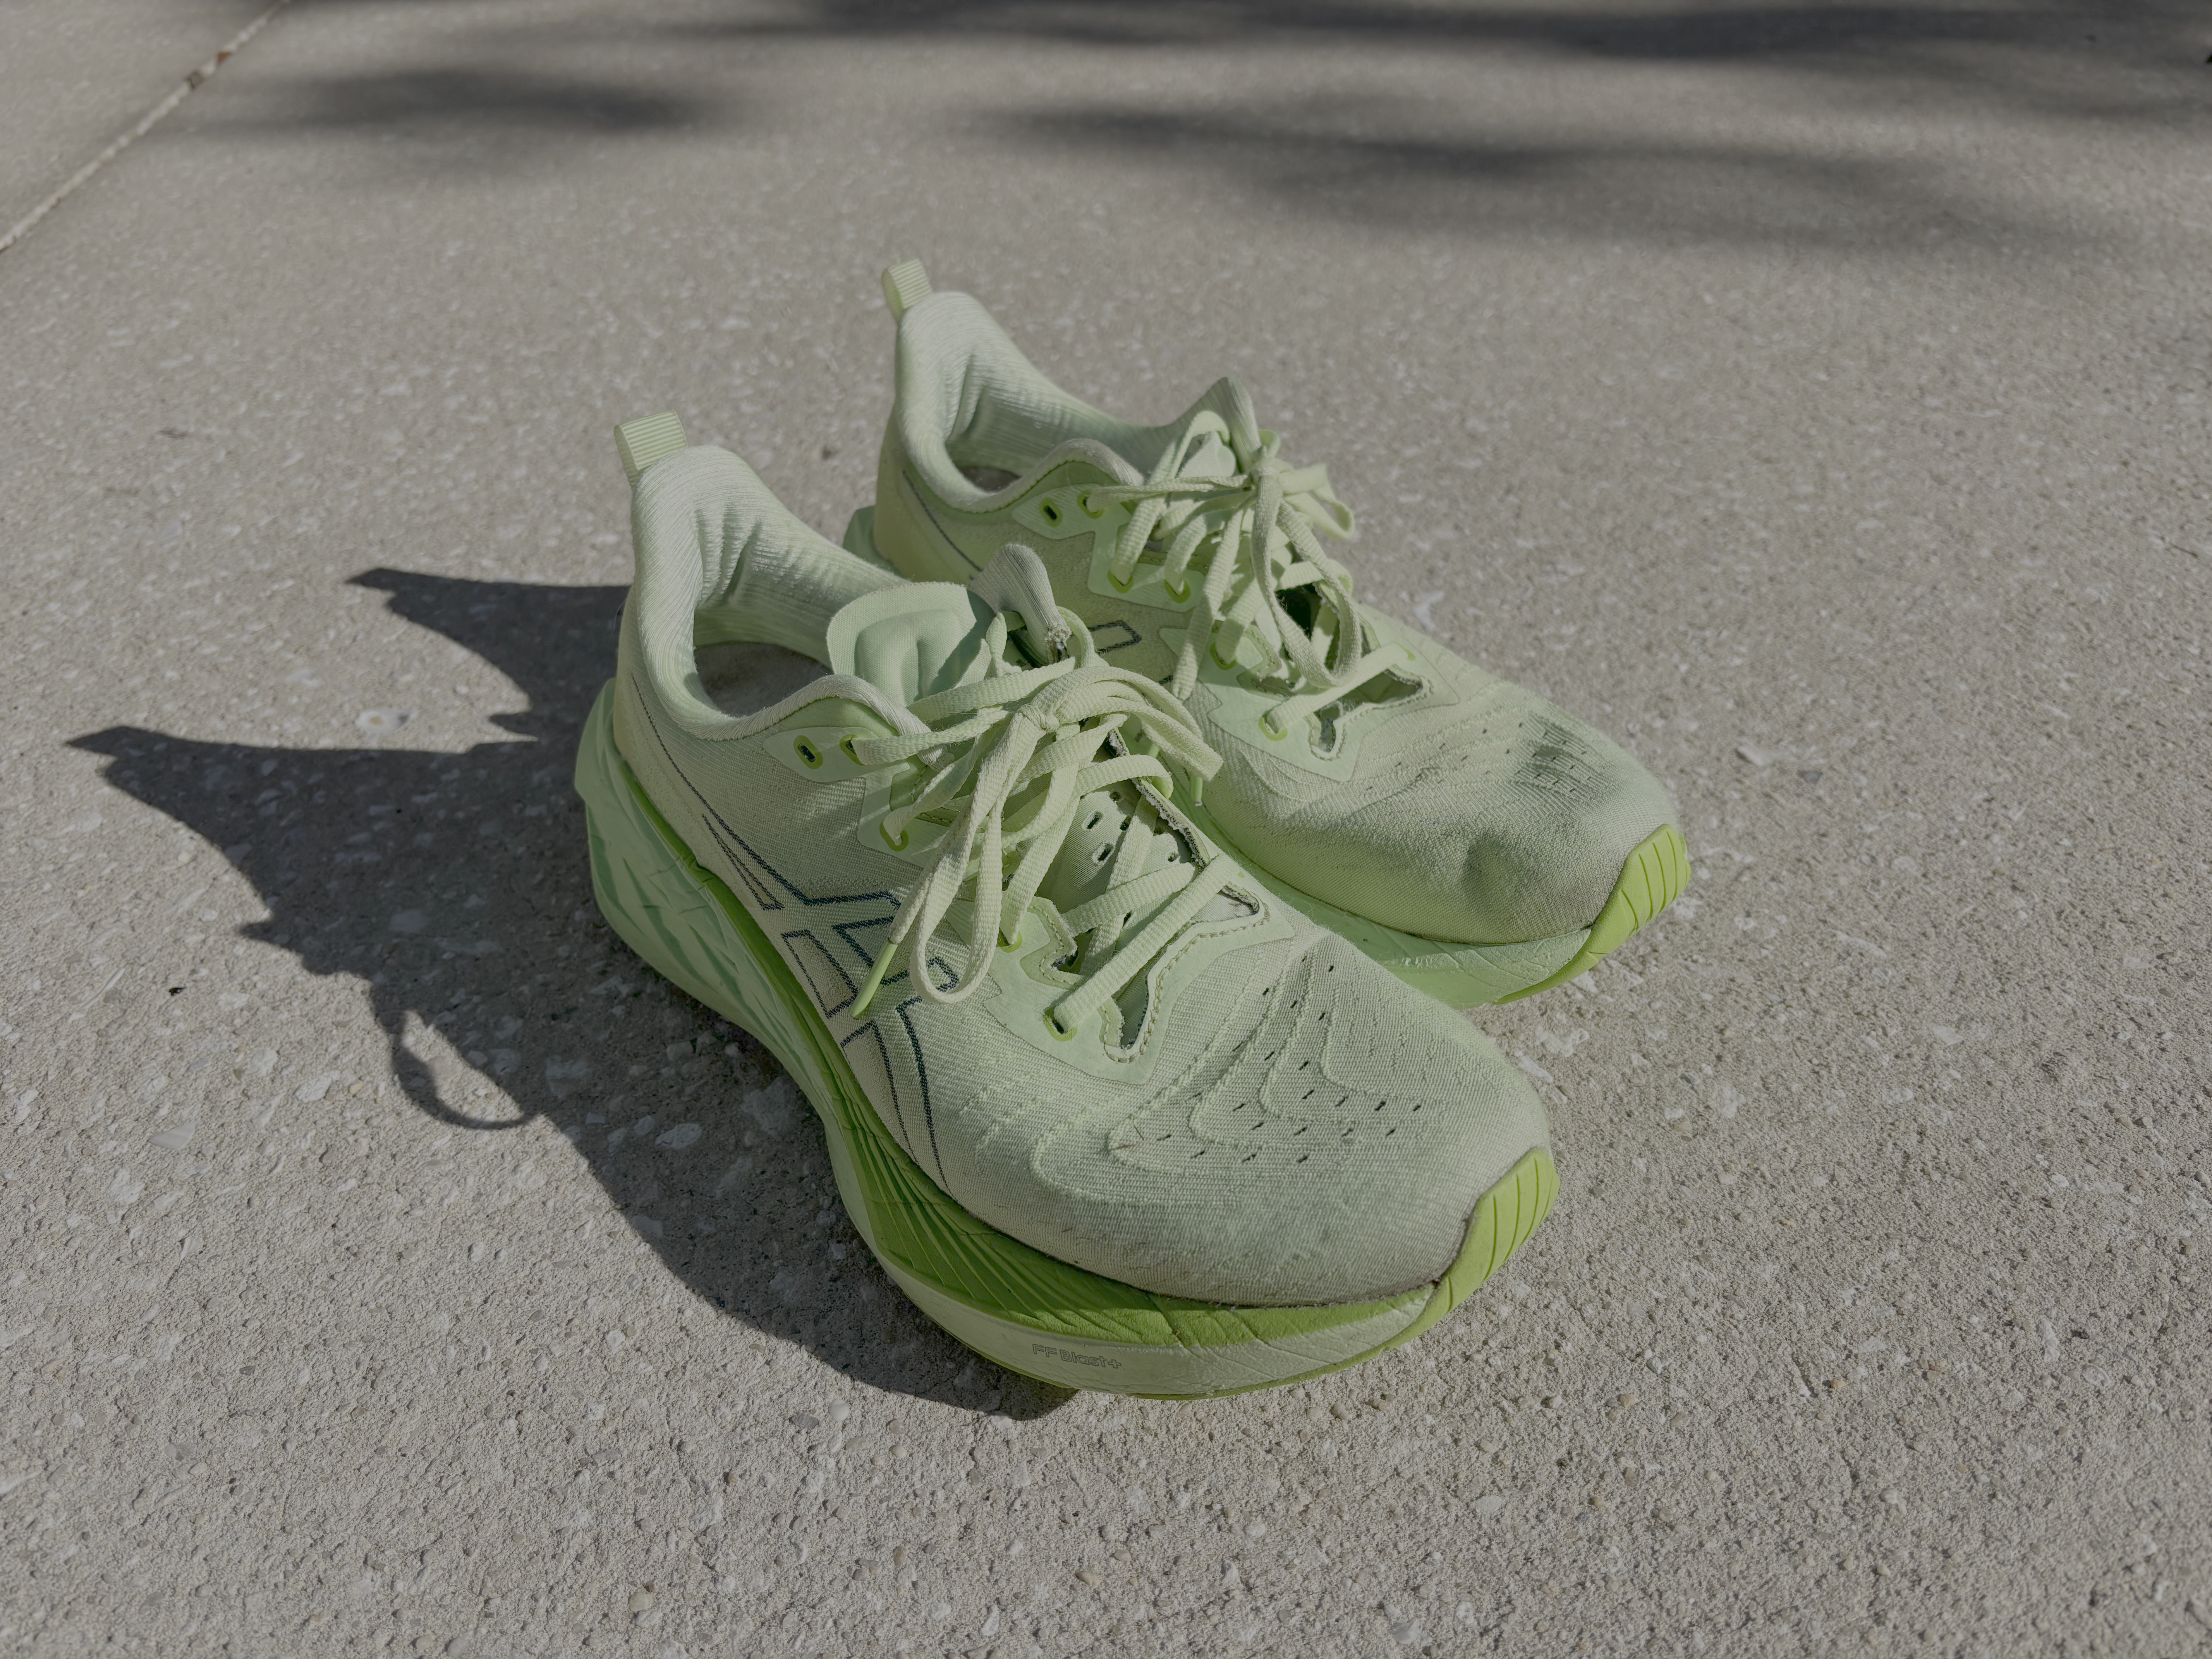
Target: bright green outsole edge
(1475, 975)
(1017, 1307)
(1653, 877)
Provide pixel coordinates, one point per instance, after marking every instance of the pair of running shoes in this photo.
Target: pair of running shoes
(1108, 877)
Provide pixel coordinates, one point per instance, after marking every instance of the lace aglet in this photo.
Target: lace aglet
(874, 984)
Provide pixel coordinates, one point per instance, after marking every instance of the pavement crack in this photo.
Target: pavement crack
(146, 124)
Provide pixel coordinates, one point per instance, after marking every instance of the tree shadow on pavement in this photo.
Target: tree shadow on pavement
(1343, 157)
(516, 88)
(456, 889)
(444, 100)
(2074, 58)
(474, 111)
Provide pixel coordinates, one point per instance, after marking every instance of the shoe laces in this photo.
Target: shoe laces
(1257, 533)
(1016, 751)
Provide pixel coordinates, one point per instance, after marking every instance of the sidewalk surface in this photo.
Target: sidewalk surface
(1814, 395)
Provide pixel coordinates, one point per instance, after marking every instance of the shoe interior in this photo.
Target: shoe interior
(742, 676)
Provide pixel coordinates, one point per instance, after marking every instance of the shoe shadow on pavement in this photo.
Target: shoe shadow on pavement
(455, 888)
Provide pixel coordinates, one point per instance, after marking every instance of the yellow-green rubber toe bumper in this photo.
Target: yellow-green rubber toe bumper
(1653, 877)
(1014, 1304)
(1474, 976)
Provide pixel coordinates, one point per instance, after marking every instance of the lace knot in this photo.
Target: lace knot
(1017, 728)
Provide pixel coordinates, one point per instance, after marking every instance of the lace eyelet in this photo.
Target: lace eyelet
(1118, 584)
(1088, 511)
(1180, 595)
(845, 743)
(1277, 734)
(1049, 511)
(1013, 943)
(808, 754)
(1060, 1033)
(898, 846)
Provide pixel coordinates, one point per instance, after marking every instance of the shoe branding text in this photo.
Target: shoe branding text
(1075, 1359)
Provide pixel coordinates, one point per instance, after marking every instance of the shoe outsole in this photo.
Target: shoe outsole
(1019, 1308)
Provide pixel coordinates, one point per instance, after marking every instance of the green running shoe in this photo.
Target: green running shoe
(1104, 1108)
(1477, 841)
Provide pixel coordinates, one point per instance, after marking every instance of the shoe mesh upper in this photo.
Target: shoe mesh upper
(1471, 810)
(1294, 1127)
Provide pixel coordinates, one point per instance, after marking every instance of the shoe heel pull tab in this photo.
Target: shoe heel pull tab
(906, 285)
(642, 442)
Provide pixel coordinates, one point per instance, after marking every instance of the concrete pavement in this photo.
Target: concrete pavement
(1816, 397)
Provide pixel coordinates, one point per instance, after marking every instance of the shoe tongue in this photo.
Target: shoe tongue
(1230, 401)
(921, 637)
(1211, 456)
(1017, 582)
(1093, 846)
(912, 639)
(1088, 854)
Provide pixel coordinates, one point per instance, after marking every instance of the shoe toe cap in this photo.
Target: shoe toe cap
(1333, 1153)
(1567, 808)
(1476, 826)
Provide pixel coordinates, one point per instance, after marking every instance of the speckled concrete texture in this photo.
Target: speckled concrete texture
(1815, 396)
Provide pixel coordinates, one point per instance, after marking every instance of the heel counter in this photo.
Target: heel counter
(897, 539)
(640, 741)
(626, 715)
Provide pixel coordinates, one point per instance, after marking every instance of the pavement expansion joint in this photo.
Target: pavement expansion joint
(145, 124)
